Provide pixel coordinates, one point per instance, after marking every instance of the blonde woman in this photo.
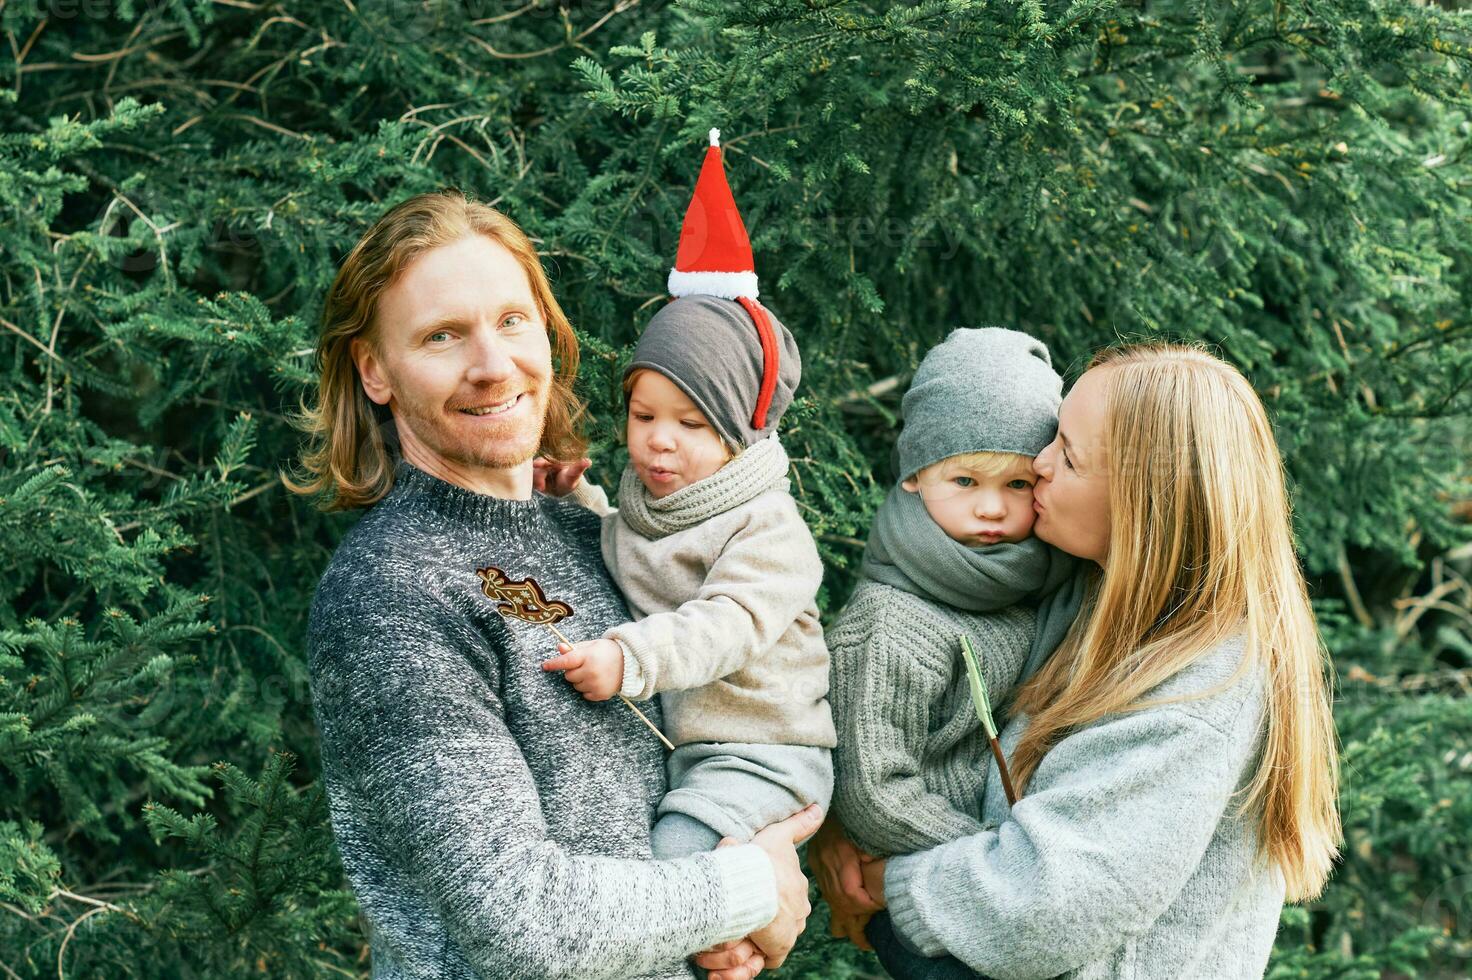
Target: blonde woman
(1175, 756)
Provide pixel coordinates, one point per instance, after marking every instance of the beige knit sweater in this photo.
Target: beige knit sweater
(726, 622)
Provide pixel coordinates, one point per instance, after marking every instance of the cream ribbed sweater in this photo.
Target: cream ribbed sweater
(725, 626)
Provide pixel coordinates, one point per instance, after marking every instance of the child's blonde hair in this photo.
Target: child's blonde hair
(980, 463)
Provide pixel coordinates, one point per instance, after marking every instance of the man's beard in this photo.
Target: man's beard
(498, 448)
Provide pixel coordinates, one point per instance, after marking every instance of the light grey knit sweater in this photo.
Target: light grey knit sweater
(911, 757)
(1124, 857)
(494, 824)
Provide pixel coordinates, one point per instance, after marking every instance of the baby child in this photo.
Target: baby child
(950, 553)
(721, 575)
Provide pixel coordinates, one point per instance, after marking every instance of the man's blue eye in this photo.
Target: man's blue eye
(965, 481)
(1019, 484)
(439, 333)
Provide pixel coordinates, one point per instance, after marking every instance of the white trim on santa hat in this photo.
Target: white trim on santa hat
(725, 285)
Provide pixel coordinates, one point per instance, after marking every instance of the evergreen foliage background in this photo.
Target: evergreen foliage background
(1286, 179)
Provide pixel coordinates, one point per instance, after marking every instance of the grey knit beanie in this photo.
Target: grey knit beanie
(985, 389)
(711, 349)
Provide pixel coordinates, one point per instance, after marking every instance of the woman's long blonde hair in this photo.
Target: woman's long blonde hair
(1200, 545)
(347, 459)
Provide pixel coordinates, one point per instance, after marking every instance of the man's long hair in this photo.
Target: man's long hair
(347, 460)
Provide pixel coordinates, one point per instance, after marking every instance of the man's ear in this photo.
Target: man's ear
(910, 485)
(370, 370)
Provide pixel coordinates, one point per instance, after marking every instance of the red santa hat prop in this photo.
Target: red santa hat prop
(714, 259)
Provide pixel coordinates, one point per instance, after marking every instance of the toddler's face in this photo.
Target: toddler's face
(975, 507)
(671, 445)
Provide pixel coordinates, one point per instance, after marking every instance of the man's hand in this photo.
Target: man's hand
(838, 864)
(737, 960)
(776, 939)
(594, 667)
(556, 478)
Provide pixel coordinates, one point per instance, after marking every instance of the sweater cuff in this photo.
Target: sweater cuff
(585, 493)
(904, 911)
(749, 883)
(628, 638)
(633, 679)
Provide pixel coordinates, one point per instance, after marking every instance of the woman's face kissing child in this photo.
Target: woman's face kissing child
(671, 444)
(978, 498)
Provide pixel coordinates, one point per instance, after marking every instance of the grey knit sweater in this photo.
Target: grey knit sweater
(492, 822)
(1125, 857)
(911, 757)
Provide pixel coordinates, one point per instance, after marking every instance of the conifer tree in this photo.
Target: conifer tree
(1286, 181)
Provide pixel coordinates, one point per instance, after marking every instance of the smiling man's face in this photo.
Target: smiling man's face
(463, 359)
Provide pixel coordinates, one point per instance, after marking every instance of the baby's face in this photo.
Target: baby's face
(975, 507)
(671, 445)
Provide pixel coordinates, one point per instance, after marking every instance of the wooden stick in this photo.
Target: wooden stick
(981, 701)
(1002, 768)
(642, 717)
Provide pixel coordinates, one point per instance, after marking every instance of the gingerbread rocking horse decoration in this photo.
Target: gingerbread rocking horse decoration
(524, 600)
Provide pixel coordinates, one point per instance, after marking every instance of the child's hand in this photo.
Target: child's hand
(556, 478)
(594, 667)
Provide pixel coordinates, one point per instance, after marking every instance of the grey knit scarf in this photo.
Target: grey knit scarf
(909, 551)
(760, 467)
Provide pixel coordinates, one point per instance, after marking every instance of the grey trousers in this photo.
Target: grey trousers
(734, 789)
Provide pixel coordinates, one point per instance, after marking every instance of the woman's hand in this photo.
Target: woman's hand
(837, 864)
(873, 871)
(841, 925)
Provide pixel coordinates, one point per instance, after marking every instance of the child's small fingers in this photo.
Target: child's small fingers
(572, 473)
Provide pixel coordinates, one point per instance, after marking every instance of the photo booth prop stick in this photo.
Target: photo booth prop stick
(525, 600)
(984, 713)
